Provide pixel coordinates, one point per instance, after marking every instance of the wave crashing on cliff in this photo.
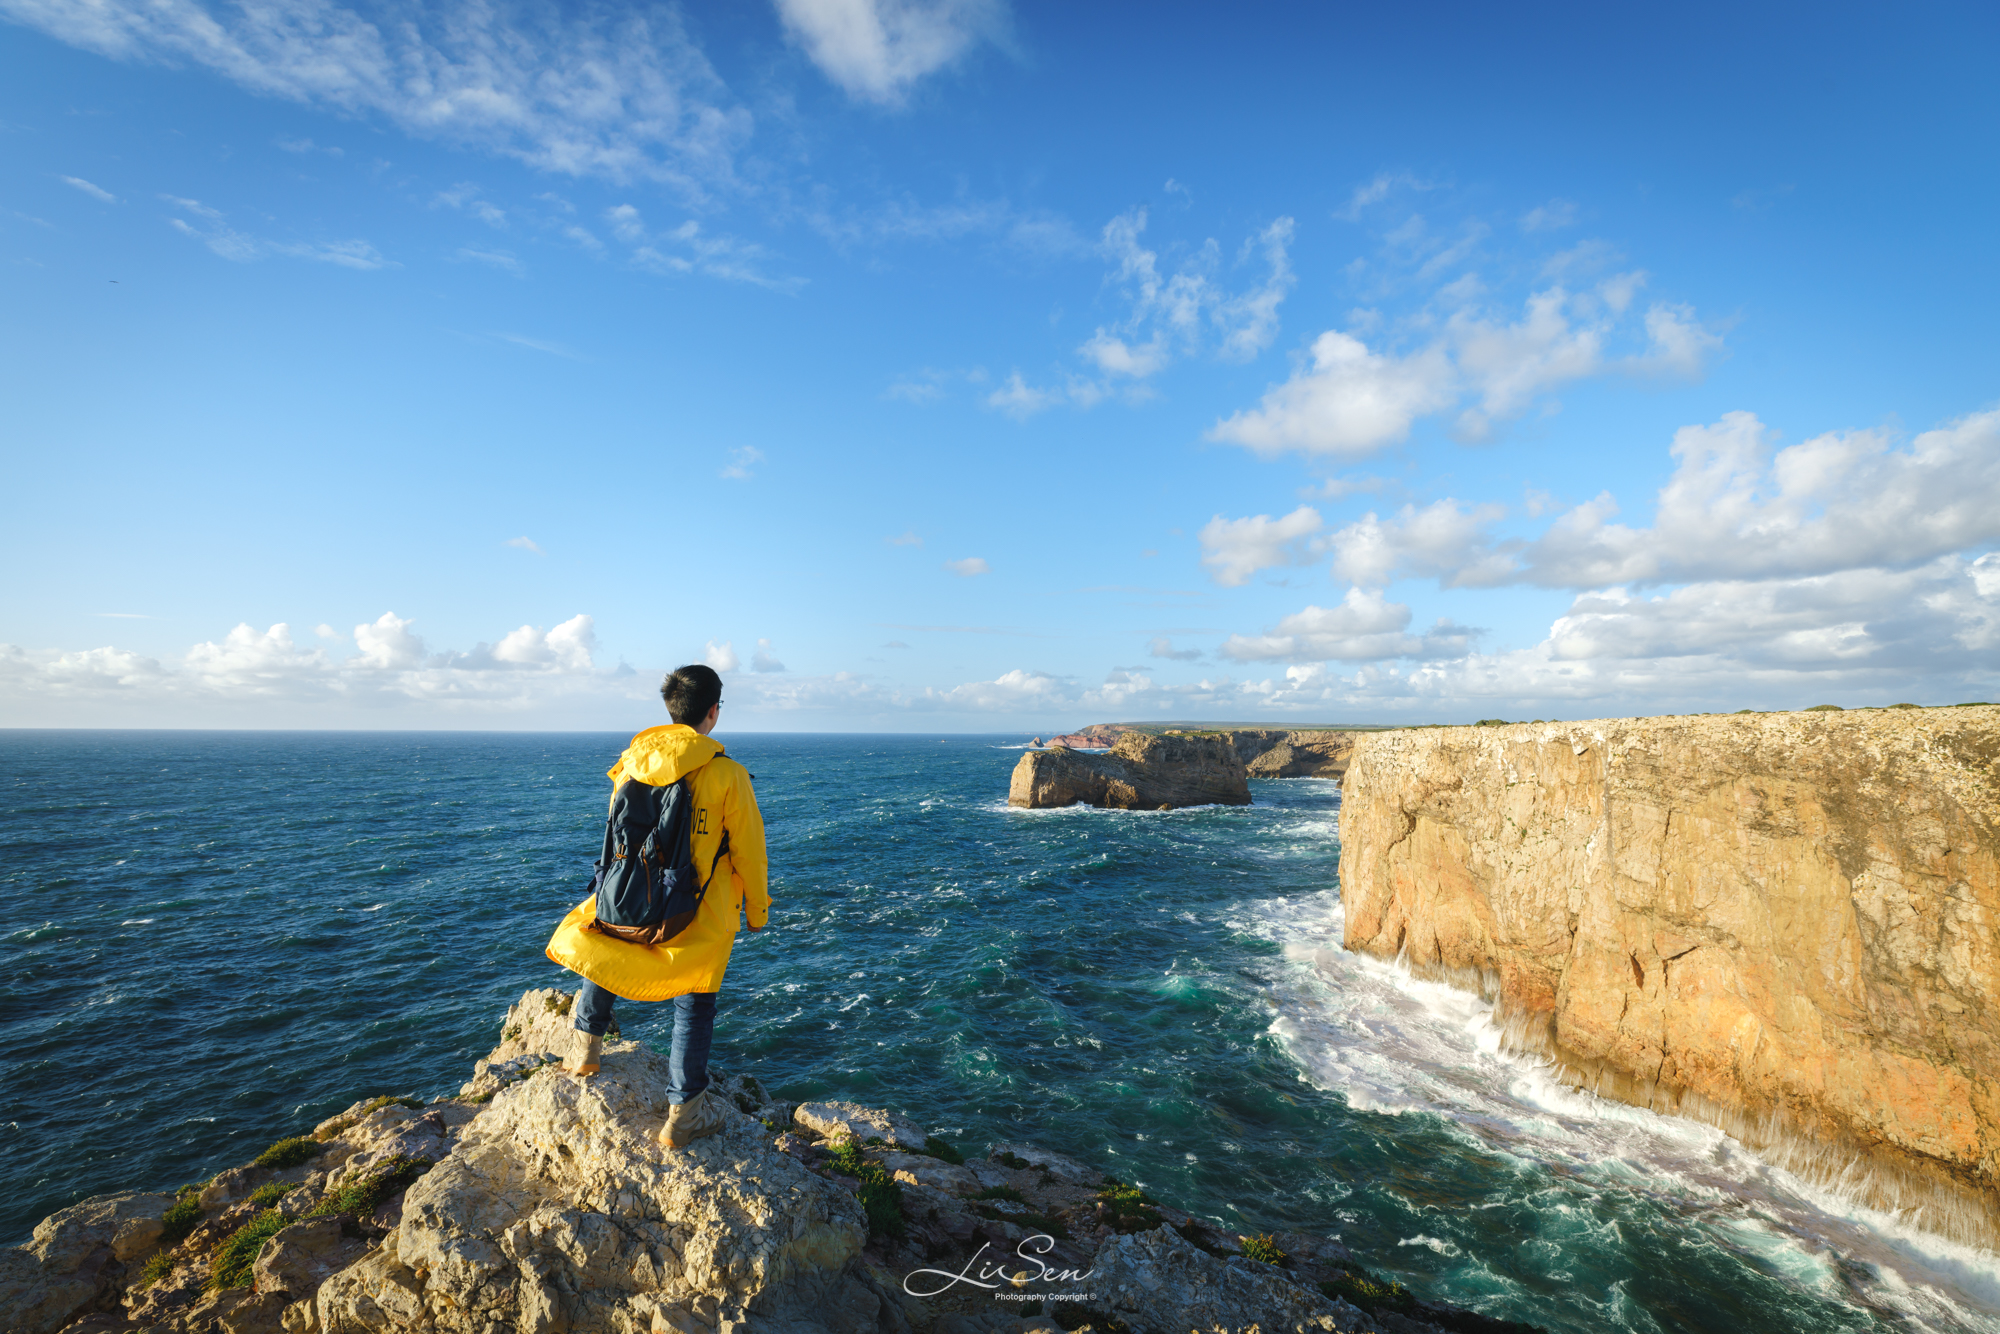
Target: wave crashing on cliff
(1587, 1169)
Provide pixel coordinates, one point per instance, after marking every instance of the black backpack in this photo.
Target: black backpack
(646, 887)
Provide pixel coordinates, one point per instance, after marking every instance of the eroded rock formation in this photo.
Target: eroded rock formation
(1271, 754)
(538, 1203)
(1141, 772)
(1784, 923)
(1265, 752)
(1098, 736)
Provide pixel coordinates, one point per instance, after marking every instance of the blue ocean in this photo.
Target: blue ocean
(217, 939)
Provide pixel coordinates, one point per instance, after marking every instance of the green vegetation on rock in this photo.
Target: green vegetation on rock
(1131, 1209)
(1263, 1247)
(881, 1196)
(270, 1193)
(362, 1198)
(290, 1152)
(232, 1262)
(156, 1268)
(181, 1218)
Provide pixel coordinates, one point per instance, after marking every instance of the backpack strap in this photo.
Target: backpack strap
(720, 850)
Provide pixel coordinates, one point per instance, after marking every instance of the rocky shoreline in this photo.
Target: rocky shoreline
(540, 1203)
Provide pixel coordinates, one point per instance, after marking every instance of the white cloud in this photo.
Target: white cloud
(96, 192)
(1841, 569)
(1375, 191)
(1167, 316)
(1018, 400)
(499, 259)
(1351, 401)
(253, 677)
(908, 539)
(567, 647)
(1555, 214)
(1170, 314)
(721, 656)
(1678, 345)
(876, 49)
(688, 249)
(763, 661)
(1443, 540)
(1236, 549)
(525, 544)
(742, 459)
(1363, 628)
(1735, 508)
(1163, 647)
(970, 566)
(247, 660)
(1249, 321)
(583, 91)
(465, 196)
(244, 248)
(387, 643)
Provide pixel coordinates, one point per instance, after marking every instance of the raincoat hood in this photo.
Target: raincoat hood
(662, 755)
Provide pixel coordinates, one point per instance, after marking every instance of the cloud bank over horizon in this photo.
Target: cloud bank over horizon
(1841, 564)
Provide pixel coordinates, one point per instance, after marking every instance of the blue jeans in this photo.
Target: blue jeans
(694, 1031)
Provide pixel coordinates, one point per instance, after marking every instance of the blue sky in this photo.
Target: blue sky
(972, 366)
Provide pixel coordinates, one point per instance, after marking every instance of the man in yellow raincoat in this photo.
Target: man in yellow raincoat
(689, 971)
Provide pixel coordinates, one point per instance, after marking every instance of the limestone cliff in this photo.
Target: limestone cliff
(1265, 752)
(1273, 754)
(1784, 923)
(1141, 772)
(542, 1204)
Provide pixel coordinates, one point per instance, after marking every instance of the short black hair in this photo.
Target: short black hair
(690, 692)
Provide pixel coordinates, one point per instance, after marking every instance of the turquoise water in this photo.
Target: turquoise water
(215, 940)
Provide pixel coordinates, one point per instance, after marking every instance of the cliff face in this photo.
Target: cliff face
(1294, 754)
(1784, 923)
(1141, 772)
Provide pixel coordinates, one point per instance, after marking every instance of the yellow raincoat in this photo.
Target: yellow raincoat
(698, 957)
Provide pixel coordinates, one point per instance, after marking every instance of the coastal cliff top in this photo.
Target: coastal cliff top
(1819, 739)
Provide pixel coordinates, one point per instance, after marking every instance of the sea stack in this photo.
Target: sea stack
(1141, 772)
(1781, 923)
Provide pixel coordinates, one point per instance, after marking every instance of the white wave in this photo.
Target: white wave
(1395, 1044)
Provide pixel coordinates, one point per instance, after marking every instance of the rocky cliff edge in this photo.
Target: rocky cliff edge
(1782, 923)
(539, 1203)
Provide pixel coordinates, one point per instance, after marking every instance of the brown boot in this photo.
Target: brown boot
(586, 1050)
(697, 1118)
